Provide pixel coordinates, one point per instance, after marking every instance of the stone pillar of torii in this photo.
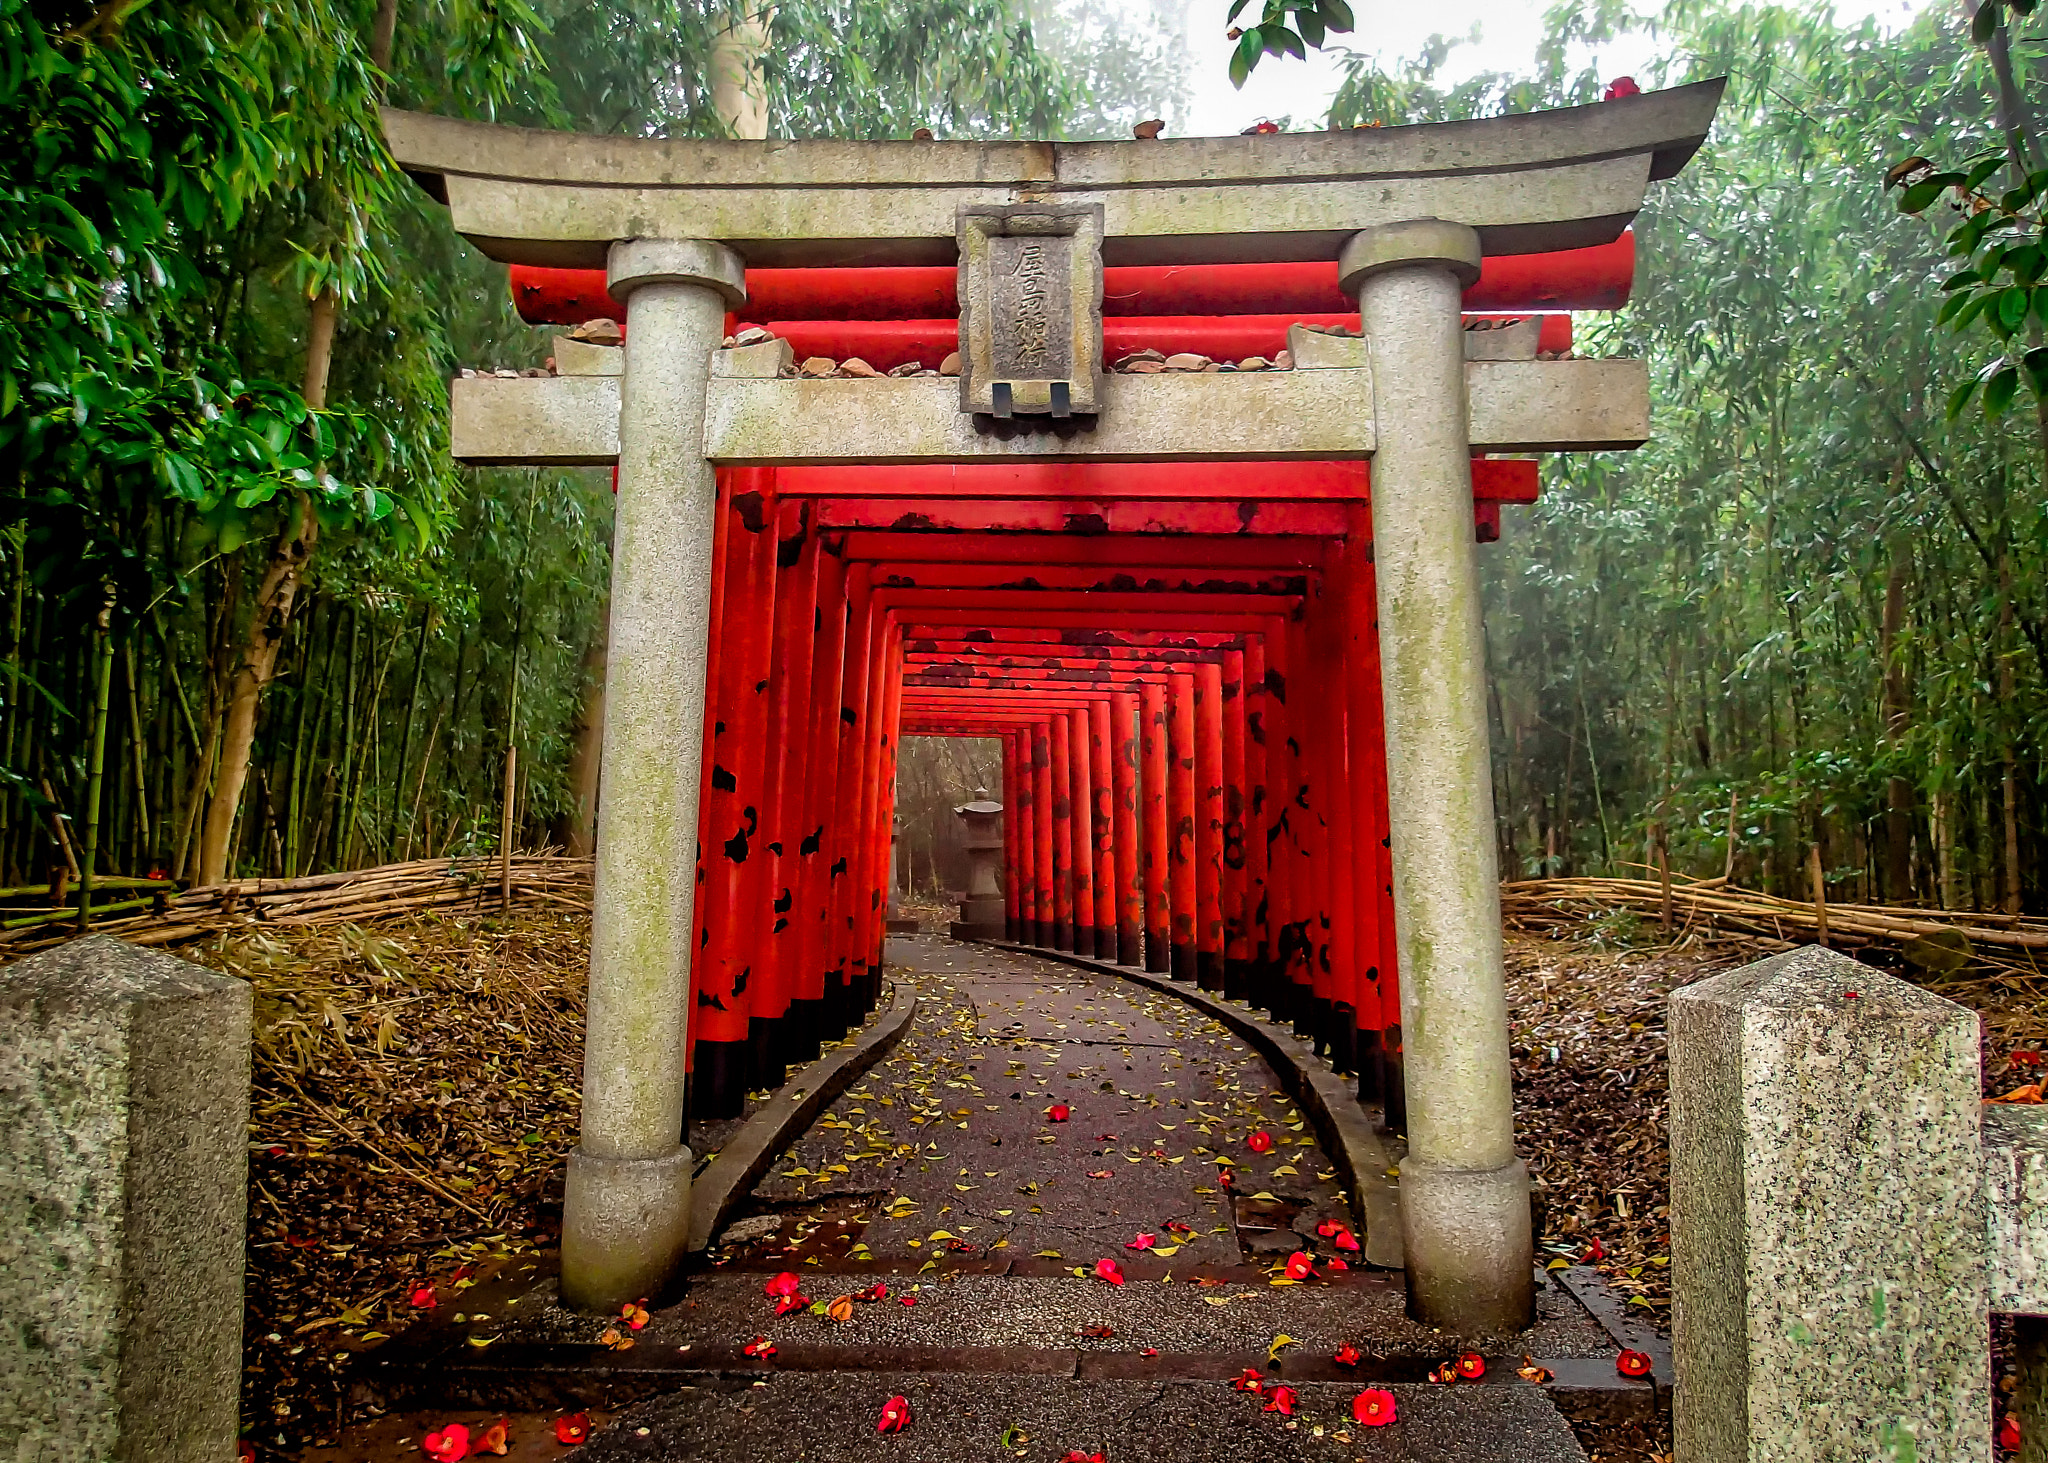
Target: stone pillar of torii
(1407, 212)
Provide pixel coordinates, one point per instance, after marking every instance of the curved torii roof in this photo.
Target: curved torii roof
(1529, 183)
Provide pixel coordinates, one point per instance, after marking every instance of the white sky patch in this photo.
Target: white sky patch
(1393, 29)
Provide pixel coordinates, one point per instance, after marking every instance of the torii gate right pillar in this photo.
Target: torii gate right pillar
(1465, 1222)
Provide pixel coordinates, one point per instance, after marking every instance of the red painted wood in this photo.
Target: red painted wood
(1149, 516)
(1596, 278)
(1236, 942)
(1016, 869)
(1181, 811)
(822, 800)
(1155, 853)
(1128, 887)
(1510, 480)
(1061, 740)
(1047, 886)
(1209, 825)
(1101, 797)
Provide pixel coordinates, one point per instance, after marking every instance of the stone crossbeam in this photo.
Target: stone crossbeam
(1516, 406)
(1529, 183)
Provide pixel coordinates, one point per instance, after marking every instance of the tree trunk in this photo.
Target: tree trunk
(1898, 817)
(576, 829)
(96, 755)
(2008, 697)
(271, 616)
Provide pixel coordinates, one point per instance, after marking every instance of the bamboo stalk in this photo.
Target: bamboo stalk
(505, 826)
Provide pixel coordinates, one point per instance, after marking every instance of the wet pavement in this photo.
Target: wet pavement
(941, 1225)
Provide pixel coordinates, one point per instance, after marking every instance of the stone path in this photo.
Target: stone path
(960, 1225)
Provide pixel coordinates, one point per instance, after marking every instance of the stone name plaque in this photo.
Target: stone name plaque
(1031, 309)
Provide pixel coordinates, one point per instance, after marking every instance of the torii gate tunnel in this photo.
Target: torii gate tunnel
(1225, 623)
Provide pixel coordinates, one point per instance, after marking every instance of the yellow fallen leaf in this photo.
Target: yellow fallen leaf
(1164, 1250)
(1047, 1255)
(1559, 1265)
(1280, 1343)
(1263, 1194)
(939, 1234)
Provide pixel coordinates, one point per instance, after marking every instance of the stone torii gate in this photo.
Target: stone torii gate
(1407, 213)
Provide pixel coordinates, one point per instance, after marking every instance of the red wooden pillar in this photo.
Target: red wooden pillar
(1258, 813)
(1045, 872)
(1062, 739)
(1310, 947)
(1101, 842)
(1081, 827)
(1379, 1054)
(1337, 1039)
(811, 1011)
(733, 791)
(844, 832)
(882, 823)
(1180, 813)
(1236, 938)
(699, 967)
(1155, 824)
(1209, 825)
(772, 891)
(1016, 809)
(1130, 889)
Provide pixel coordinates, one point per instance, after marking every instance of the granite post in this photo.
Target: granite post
(1828, 1225)
(124, 1113)
(1464, 1193)
(626, 1200)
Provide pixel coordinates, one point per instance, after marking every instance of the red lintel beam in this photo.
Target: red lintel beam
(1080, 516)
(1597, 278)
(1507, 480)
(1212, 551)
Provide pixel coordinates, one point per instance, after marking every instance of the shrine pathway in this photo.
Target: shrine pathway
(942, 1179)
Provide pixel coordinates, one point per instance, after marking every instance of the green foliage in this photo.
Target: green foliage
(1285, 28)
(1697, 633)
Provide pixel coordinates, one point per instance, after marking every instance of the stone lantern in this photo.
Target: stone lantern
(981, 912)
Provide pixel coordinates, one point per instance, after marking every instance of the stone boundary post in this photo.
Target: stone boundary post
(124, 1112)
(1828, 1227)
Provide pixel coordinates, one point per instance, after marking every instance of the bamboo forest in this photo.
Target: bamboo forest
(257, 625)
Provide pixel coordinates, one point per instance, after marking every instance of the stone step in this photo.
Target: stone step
(791, 1418)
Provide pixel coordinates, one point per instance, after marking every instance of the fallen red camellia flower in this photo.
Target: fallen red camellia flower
(447, 1445)
(1059, 1112)
(1374, 1407)
(1444, 1375)
(1224, 1180)
(1633, 1364)
(1300, 1266)
(1280, 1400)
(1347, 1355)
(1149, 1351)
(909, 1300)
(422, 1298)
(572, 1429)
(759, 1346)
(1142, 1242)
(1260, 1142)
(1592, 1252)
(1336, 1265)
(783, 1284)
(1328, 1227)
(497, 1439)
(1471, 1366)
(634, 1314)
(1622, 86)
(246, 1452)
(1528, 1371)
(1248, 1380)
(791, 1302)
(1107, 1270)
(1345, 1239)
(895, 1415)
(2009, 1434)
(1075, 1455)
(877, 1291)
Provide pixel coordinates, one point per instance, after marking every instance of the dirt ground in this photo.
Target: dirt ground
(417, 1091)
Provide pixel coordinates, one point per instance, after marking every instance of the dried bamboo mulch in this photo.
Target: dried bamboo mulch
(384, 892)
(417, 1090)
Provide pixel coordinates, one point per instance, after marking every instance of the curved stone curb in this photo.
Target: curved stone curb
(746, 1156)
(1345, 1129)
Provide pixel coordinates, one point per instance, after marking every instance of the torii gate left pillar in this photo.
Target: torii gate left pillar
(626, 1200)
